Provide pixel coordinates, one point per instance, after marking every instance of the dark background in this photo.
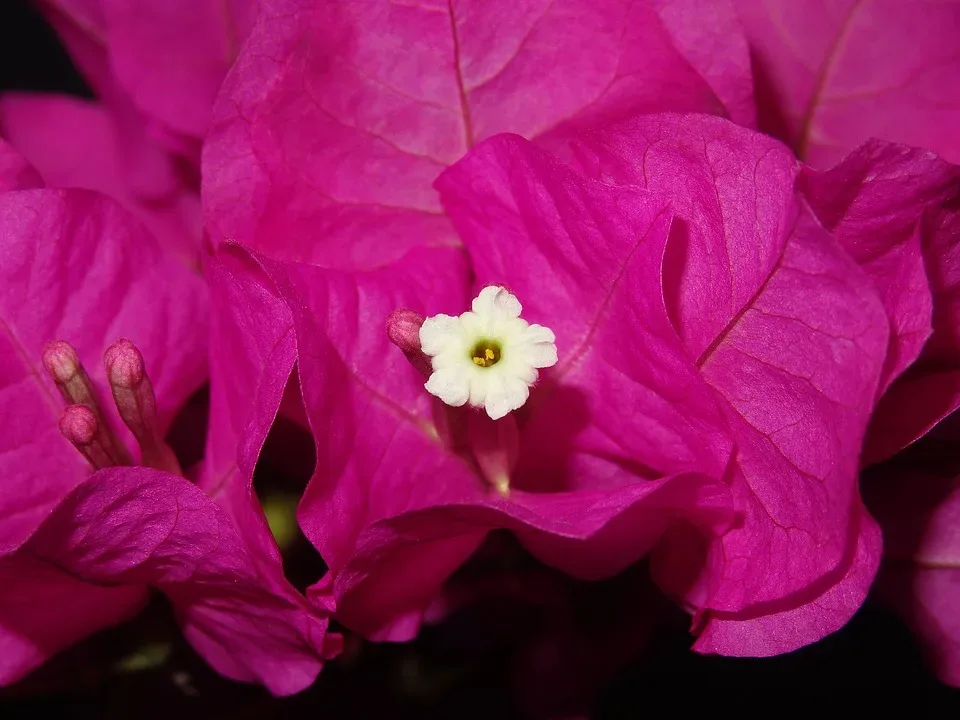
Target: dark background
(466, 668)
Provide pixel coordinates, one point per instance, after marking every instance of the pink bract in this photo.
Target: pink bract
(783, 364)
(609, 440)
(155, 71)
(302, 176)
(167, 59)
(338, 116)
(389, 534)
(91, 562)
(79, 551)
(79, 143)
(252, 353)
(720, 350)
(171, 57)
(828, 79)
(897, 212)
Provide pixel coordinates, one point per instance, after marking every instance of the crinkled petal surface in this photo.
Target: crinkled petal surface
(710, 36)
(822, 609)
(827, 79)
(337, 117)
(732, 190)
(920, 516)
(77, 143)
(142, 527)
(391, 509)
(76, 266)
(586, 260)
(897, 211)
(793, 344)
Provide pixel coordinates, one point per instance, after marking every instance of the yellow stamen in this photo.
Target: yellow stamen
(485, 354)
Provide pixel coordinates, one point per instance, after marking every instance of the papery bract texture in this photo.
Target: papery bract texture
(791, 336)
(831, 74)
(897, 212)
(77, 267)
(591, 268)
(391, 499)
(81, 551)
(328, 134)
(338, 116)
(126, 529)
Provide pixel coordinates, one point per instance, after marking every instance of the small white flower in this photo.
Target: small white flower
(487, 357)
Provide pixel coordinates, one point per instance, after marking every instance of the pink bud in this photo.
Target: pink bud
(403, 329)
(137, 404)
(79, 425)
(61, 361)
(63, 364)
(124, 364)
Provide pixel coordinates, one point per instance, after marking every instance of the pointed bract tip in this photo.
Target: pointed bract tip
(61, 361)
(124, 364)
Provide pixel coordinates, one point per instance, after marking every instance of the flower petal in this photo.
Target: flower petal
(439, 333)
(450, 384)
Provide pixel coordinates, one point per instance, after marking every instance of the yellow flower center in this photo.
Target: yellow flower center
(486, 353)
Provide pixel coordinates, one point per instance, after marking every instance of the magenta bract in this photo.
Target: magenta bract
(827, 81)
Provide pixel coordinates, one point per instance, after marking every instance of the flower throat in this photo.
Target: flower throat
(486, 353)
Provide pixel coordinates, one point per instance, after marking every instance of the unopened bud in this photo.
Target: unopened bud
(137, 404)
(403, 329)
(61, 361)
(124, 364)
(79, 425)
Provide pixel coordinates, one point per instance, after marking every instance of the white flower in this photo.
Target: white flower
(487, 357)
